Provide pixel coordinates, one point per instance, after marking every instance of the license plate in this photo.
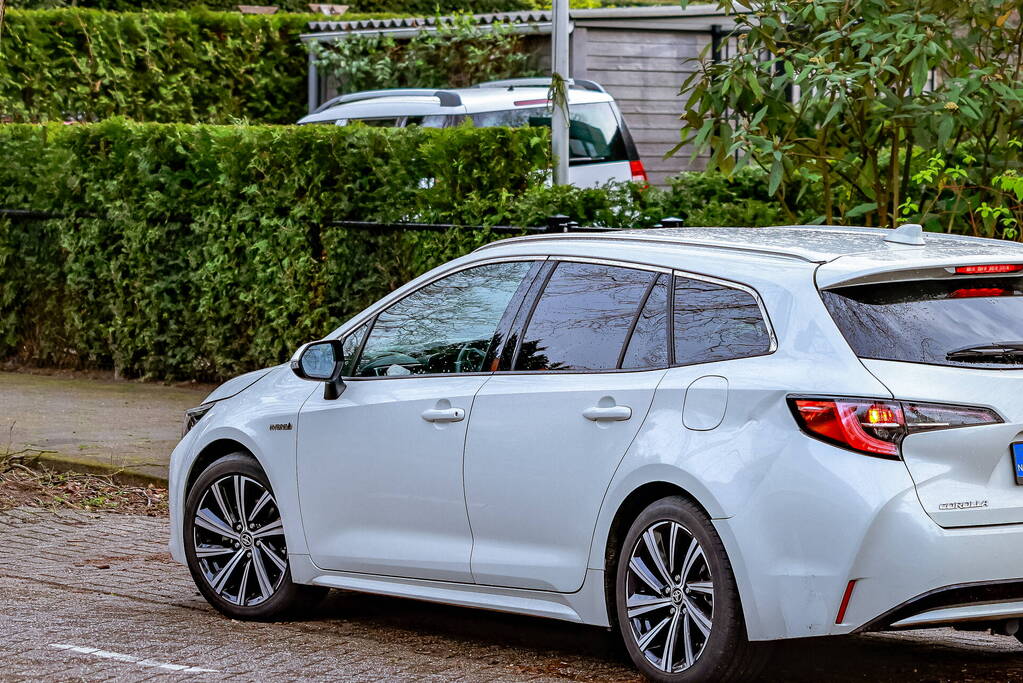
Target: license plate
(1017, 462)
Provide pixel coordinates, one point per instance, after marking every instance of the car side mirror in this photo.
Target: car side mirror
(322, 361)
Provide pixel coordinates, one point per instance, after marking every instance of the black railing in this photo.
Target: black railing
(557, 223)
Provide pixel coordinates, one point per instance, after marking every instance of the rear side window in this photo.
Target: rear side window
(583, 317)
(594, 133)
(715, 322)
(960, 322)
(648, 347)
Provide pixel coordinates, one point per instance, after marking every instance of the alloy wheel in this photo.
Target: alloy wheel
(669, 596)
(239, 540)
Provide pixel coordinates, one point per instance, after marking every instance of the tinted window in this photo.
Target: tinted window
(716, 322)
(447, 326)
(377, 123)
(648, 347)
(594, 133)
(431, 121)
(925, 321)
(583, 317)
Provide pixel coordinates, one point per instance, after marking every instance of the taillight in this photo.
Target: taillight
(993, 268)
(974, 292)
(638, 172)
(877, 427)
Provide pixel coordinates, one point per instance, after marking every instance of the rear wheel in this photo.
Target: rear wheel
(676, 600)
(235, 543)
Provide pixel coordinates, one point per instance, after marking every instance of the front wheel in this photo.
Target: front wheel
(677, 604)
(235, 544)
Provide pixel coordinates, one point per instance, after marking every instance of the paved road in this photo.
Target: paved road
(132, 425)
(96, 597)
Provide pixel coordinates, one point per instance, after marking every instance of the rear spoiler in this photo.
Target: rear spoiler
(577, 83)
(447, 98)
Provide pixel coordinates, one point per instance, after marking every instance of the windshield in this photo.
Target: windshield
(962, 322)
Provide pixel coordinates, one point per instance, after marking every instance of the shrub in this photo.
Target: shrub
(216, 67)
(200, 251)
(196, 66)
(422, 7)
(203, 251)
(844, 93)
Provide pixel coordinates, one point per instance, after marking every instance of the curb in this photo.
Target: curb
(120, 475)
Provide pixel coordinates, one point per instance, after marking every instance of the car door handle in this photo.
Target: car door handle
(610, 413)
(444, 415)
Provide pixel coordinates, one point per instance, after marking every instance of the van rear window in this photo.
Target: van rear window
(594, 135)
(968, 322)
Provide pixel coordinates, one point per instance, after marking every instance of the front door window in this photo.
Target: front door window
(446, 327)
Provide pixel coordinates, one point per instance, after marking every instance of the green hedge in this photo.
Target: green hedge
(212, 67)
(179, 66)
(202, 251)
(407, 7)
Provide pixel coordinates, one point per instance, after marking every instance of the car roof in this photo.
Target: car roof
(838, 254)
(474, 101)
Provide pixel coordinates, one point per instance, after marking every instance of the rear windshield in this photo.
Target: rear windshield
(593, 132)
(974, 322)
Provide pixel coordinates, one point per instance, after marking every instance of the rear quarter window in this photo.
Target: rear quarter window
(714, 322)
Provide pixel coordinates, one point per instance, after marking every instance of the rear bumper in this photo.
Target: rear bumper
(825, 517)
(979, 602)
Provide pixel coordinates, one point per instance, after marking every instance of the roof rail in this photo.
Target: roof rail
(447, 98)
(541, 82)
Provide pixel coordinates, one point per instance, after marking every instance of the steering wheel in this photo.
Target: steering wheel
(469, 354)
(382, 363)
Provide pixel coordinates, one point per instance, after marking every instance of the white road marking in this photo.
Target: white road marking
(129, 659)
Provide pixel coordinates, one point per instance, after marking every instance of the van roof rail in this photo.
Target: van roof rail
(541, 82)
(447, 98)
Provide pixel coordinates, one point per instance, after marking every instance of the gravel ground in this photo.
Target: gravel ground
(95, 596)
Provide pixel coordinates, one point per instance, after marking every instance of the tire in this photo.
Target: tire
(697, 603)
(240, 567)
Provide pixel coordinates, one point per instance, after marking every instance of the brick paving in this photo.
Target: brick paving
(105, 584)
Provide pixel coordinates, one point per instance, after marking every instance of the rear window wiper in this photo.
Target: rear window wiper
(994, 353)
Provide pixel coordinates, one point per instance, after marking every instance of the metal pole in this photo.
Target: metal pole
(559, 118)
(313, 84)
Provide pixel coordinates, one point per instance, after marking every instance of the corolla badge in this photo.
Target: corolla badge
(963, 505)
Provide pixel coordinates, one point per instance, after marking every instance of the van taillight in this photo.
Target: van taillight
(638, 172)
(877, 427)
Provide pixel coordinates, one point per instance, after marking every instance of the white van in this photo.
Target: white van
(600, 145)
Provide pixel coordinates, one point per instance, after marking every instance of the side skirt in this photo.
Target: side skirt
(585, 606)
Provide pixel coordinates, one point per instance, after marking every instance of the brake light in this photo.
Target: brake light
(877, 427)
(994, 268)
(531, 103)
(638, 172)
(973, 292)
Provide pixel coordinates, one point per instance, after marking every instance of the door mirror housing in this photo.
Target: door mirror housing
(322, 361)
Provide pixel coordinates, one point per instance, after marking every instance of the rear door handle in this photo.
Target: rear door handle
(610, 414)
(444, 415)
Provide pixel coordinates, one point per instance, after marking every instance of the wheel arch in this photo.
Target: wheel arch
(628, 509)
(627, 498)
(210, 453)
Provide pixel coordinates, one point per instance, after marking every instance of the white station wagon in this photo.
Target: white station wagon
(705, 438)
(600, 146)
